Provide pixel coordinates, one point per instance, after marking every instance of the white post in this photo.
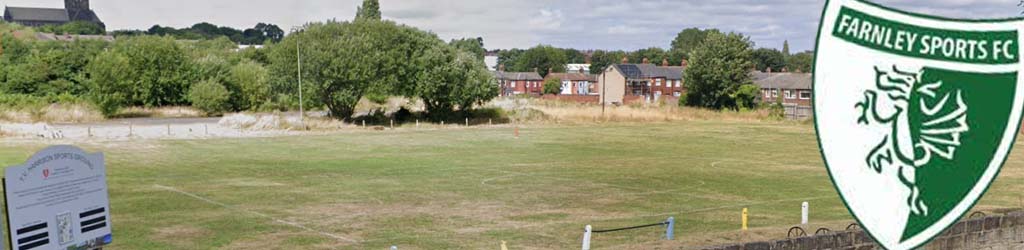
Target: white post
(586, 238)
(805, 210)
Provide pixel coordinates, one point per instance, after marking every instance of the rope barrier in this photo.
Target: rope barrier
(630, 228)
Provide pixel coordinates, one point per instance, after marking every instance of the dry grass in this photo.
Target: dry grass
(557, 111)
(160, 112)
(53, 113)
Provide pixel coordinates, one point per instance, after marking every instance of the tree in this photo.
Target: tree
(552, 86)
(510, 58)
(110, 82)
(654, 55)
(75, 28)
(456, 80)
(474, 46)
(746, 96)
(542, 58)
(601, 59)
(210, 96)
(370, 10)
(765, 58)
(162, 71)
(688, 40)
(785, 48)
(717, 70)
(249, 85)
(801, 62)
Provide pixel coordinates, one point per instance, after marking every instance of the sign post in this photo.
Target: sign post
(58, 199)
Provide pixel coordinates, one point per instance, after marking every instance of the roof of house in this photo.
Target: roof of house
(517, 76)
(784, 80)
(38, 14)
(638, 71)
(573, 76)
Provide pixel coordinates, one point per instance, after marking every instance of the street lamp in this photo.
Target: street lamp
(298, 59)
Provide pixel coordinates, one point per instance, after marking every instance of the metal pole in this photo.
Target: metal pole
(670, 230)
(604, 90)
(302, 113)
(586, 238)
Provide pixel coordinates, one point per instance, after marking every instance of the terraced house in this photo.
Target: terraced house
(575, 83)
(645, 81)
(517, 83)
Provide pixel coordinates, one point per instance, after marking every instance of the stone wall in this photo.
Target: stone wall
(993, 232)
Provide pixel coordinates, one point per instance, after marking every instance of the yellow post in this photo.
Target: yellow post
(744, 219)
(503, 247)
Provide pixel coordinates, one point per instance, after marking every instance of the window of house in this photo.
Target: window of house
(775, 93)
(790, 95)
(677, 83)
(657, 82)
(513, 84)
(677, 94)
(805, 95)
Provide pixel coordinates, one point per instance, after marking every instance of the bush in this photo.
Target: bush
(249, 85)
(109, 82)
(682, 100)
(210, 97)
(553, 86)
(745, 97)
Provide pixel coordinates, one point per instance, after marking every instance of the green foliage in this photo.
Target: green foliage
(745, 96)
(110, 83)
(339, 64)
(260, 34)
(370, 10)
(474, 46)
(654, 55)
(249, 85)
(689, 40)
(160, 70)
(601, 59)
(785, 48)
(210, 96)
(510, 58)
(541, 59)
(682, 100)
(456, 81)
(74, 28)
(717, 70)
(553, 86)
(765, 58)
(801, 62)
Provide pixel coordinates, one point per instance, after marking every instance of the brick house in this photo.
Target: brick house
(793, 89)
(575, 83)
(645, 81)
(516, 83)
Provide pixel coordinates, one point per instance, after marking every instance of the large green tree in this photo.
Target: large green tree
(370, 10)
(654, 55)
(688, 40)
(601, 59)
(765, 58)
(801, 62)
(474, 46)
(455, 80)
(718, 68)
(542, 58)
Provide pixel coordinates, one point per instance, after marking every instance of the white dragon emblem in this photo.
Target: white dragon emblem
(938, 133)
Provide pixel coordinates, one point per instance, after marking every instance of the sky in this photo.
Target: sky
(503, 24)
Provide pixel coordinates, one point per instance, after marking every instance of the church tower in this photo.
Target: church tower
(76, 5)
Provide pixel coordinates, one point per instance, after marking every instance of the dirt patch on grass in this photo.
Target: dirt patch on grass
(181, 236)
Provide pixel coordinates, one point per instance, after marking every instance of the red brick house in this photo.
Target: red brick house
(793, 89)
(647, 81)
(516, 83)
(575, 83)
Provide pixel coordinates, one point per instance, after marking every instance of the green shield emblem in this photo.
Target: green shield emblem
(915, 114)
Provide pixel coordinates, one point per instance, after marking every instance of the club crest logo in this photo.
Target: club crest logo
(915, 114)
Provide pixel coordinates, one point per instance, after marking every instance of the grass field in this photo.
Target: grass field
(472, 188)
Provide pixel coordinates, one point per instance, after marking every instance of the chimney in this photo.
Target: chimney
(625, 59)
(536, 70)
(768, 70)
(685, 63)
(664, 62)
(785, 69)
(550, 71)
(647, 61)
(799, 71)
(501, 68)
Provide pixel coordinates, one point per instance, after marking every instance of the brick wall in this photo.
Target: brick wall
(993, 232)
